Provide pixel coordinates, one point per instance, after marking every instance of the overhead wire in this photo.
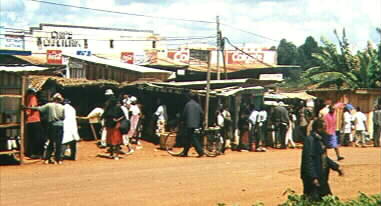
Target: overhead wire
(235, 47)
(124, 13)
(248, 32)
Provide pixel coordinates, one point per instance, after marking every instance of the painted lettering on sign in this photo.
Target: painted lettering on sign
(84, 53)
(14, 42)
(54, 56)
(60, 39)
(237, 57)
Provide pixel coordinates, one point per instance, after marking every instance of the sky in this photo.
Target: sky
(261, 23)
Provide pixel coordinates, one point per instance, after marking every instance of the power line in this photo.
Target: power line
(17, 31)
(124, 13)
(138, 40)
(231, 44)
(254, 34)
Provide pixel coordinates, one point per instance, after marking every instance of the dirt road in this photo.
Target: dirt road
(152, 177)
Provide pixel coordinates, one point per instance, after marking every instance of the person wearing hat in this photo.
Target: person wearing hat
(134, 120)
(55, 116)
(109, 92)
(35, 138)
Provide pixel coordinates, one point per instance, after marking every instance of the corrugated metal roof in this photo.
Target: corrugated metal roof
(22, 68)
(38, 81)
(114, 63)
(34, 59)
(193, 83)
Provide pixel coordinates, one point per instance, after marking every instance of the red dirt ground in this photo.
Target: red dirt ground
(153, 177)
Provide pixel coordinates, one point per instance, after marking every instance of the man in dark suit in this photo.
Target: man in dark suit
(281, 120)
(315, 165)
(192, 117)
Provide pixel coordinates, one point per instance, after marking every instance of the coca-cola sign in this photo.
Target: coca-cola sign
(237, 57)
(54, 56)
(127, 57)
(179, 55)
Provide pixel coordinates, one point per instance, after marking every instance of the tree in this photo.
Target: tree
(305, 51)
(357, 71)
(287, 53)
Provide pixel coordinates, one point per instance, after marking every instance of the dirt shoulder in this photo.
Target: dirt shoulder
(152, 177)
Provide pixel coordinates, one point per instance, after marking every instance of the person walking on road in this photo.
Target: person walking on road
(192, 117)
(360, 127)
(330, 122)
(315, 165)
(377, 125)
(281, 120)
(113, 115)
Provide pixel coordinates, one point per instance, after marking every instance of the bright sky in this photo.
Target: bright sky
(293, 20)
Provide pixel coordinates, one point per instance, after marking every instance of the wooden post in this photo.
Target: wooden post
(207, 93)
(22, 119)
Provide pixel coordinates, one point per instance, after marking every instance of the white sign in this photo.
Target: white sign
(277, 77)
(14, 42)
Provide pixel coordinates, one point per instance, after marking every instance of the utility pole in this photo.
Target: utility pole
(207, 92)
(218, 47)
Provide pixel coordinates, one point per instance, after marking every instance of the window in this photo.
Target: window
(111, 44)
(39, 42)
(153, 44)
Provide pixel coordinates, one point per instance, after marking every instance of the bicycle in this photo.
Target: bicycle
(210, 138)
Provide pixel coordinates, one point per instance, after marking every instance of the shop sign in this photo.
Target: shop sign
(127, 57)
(60, 39)
(54, 56)
(84, 53)
(237, 57)
(14, 42)
(179, 56)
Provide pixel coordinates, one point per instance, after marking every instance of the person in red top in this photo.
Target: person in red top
(35, 139)
(330, 121)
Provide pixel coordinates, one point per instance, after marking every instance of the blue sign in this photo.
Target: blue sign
(84, 53)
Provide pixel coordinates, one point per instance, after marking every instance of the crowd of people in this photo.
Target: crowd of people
(117, 123)
(61, 129)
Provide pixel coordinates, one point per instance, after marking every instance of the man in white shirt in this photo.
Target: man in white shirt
(96, 124)
(360, 127)
(162, 118)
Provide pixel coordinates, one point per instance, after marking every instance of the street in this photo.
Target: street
(152, 177)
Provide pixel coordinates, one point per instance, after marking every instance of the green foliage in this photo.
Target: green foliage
(287, 53)
(294, 199)
(362, 70)
(305, 51)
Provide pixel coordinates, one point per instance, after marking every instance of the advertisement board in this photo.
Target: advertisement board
(127, 57)
(179, 55)
(54, 56)
(237, 57)
(13, 42)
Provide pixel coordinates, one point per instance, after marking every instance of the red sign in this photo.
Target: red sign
(237, 57)
(54, 56)
(127, 57)
(179, 56)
